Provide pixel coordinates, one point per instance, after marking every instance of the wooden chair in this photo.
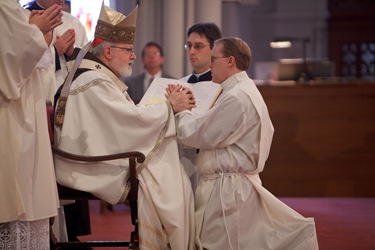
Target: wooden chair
(66, 193)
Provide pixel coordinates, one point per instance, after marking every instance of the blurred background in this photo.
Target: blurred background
(340, 33)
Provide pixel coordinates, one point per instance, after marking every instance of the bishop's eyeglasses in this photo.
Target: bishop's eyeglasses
(129, 51)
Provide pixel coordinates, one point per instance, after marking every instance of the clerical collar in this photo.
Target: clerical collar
(206, 76)
(203, 74)
(35, 6)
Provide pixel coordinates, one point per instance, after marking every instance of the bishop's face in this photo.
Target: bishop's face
(122, 59)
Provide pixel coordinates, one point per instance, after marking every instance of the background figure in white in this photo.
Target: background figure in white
(233, 210)
(66, 37)
(28, 194)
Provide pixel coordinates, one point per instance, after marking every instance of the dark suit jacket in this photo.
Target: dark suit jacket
(135, 84)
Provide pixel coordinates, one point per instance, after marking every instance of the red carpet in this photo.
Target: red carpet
(342, 223)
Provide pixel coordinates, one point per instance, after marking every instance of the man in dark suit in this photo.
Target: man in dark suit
(152, 59)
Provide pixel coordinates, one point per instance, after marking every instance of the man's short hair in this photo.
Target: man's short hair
(152, 44)
(209, 30)
(236, 47)
(99, 49)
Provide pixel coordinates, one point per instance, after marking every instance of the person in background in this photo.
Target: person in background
(152, 60)
(96, 116)
(28, 193)
(66, 6)
(200, 40)
(232, 208)
(66, 37)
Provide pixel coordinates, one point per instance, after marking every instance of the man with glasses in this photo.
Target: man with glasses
(152, 60)
(96, 116)
(233, 209)
(200, 40)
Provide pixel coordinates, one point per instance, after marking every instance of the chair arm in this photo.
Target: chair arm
(140, 157)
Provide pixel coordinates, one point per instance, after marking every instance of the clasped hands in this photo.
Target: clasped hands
(49, 19)
(64, 44)
(180, 97)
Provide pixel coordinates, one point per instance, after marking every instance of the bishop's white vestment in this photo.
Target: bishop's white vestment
(233, 209)
(100, 119)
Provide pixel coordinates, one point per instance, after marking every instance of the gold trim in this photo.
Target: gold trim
(158, 142)
(86, 86)
(60, 111)
(149, 228)
(61, 105)
(115, 34)
(126, 192)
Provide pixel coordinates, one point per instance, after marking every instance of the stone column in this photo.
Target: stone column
(173, 33)
(208, 11)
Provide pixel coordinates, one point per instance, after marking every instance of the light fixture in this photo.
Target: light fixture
(287, 42)
(280, 44)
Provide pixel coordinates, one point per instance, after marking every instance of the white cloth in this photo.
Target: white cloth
(233, 210)
(47, 64)
(27, 180)
(30, 235)
(189, 156)
(54, 78)
(185, 78)
(100, 119)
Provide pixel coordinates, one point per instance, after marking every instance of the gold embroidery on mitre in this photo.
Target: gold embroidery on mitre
(115, 34)
(115, 27)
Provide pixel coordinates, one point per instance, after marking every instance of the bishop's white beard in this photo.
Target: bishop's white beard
(123, 70)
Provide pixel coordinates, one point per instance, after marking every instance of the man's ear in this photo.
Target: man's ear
(231, 61)
(107, 53)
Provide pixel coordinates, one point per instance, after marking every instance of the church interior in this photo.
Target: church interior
(320, 93)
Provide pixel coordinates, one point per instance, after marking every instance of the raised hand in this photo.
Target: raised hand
(64, 44)
(47, 19)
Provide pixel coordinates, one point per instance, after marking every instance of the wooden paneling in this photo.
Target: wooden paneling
(351, 38)
(324, 141)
